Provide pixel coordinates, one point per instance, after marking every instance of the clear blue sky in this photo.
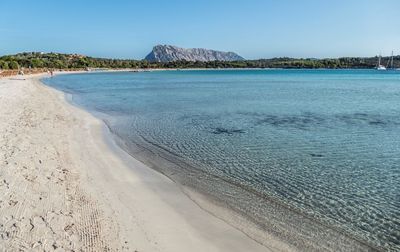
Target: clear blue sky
(252, 28)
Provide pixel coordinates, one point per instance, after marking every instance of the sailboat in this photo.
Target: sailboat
(379, 66)
(390, 63)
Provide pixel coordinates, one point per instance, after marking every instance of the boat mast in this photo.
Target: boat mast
(391, 63)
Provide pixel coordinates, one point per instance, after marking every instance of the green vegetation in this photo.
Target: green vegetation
(13, 65)
(4, 65)
(75, 61)
(65, 61)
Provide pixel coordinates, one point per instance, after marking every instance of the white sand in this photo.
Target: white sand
(66, 186)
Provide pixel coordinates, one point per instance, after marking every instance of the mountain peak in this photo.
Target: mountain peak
(169, 53)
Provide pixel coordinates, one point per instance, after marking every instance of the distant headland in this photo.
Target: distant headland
(169, 53)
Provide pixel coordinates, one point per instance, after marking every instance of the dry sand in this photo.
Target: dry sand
(66, 186)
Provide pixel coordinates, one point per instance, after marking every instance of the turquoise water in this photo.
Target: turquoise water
(321, 146)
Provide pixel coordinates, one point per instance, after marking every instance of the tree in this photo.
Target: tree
(59, 64)
(13, 65)
(37, 63)
(3, 65)
(82, 63)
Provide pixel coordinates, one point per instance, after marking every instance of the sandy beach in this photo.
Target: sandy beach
(66, 186)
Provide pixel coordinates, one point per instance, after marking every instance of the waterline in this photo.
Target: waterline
(320, 143)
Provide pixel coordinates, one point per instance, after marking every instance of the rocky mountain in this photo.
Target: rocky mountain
(168, 53)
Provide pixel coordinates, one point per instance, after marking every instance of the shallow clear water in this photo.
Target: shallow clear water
(323, 143)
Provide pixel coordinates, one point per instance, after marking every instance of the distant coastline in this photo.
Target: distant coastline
(71, 62)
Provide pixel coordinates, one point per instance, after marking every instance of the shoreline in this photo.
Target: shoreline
(296, 228)
(110, 205)
(110, 70)
(262, 230)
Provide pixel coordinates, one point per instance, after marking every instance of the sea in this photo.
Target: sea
(308, 157)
